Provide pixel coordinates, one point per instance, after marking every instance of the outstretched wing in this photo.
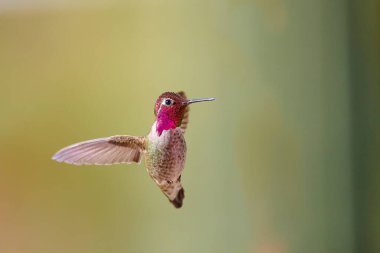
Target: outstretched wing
(103, 151)
(185, 119)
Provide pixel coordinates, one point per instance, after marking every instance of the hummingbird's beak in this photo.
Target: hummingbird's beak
(191, 101)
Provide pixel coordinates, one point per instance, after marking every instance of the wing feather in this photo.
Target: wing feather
(103, 151)
(185, 119)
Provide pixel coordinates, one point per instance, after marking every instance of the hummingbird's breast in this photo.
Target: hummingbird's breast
(166, 154)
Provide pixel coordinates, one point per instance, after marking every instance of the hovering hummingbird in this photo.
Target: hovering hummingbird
(164, 148)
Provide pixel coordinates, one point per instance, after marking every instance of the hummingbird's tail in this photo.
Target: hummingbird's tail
(177, 202)
(174, 191)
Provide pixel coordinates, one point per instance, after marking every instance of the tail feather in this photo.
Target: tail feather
(174, 191)
(177, 202)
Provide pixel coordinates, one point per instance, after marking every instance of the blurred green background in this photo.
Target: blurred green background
(285, 160)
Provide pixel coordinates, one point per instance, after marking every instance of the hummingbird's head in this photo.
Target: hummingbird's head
(170, 108)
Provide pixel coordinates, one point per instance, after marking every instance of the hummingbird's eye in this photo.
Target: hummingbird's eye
(167, 101)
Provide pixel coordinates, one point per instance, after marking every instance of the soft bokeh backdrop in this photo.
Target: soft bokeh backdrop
(286, 160)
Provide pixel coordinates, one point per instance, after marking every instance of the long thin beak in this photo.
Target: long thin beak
(191, 101)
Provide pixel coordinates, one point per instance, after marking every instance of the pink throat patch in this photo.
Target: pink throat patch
(164, 123)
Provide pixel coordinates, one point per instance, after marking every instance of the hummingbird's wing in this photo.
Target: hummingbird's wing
(185, 119)
(103, 151)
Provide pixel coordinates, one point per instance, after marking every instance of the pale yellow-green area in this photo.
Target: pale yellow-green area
(268, 164)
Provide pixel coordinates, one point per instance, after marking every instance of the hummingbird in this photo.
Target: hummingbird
(163, 149)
